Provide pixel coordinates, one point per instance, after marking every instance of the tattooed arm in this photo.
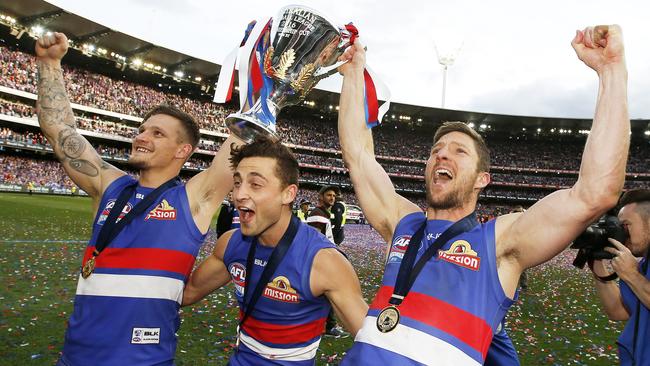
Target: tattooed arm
(79, 159)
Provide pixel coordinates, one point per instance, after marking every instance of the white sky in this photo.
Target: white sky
(516, 56)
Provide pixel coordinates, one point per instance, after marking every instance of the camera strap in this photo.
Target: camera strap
(608, 278)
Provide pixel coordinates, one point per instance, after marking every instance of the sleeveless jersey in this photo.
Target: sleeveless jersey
(452, 310)
(126, 312)
(626, 339)
(286, 324)
(502, 352)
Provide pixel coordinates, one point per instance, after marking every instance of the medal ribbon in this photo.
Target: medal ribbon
(407, 272)
(271, 265)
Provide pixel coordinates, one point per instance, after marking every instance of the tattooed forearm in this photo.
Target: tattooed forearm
(57, 120)
(53, 104)
(84, 167)
(71, 147)
(71, 143)
(52, 116)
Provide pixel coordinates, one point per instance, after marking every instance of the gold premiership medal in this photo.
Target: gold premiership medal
(388, 319)
(88, 268)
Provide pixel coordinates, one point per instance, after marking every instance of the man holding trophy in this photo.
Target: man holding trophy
(442, 299)
(287, 276)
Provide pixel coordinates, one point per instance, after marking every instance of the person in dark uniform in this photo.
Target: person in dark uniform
(321, 216)
(227, 218)
(338, 221)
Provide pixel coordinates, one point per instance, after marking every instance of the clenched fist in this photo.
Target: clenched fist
(600, 47)
(52, 47)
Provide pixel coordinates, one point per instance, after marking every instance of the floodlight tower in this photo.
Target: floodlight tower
(446, 59)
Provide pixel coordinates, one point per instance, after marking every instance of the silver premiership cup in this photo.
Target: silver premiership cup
(301, 48)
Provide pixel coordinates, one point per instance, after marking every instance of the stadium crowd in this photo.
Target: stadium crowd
(400, 150)
(17, 71)
(39, 172)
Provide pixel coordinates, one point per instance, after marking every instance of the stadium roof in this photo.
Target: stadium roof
(80, 30)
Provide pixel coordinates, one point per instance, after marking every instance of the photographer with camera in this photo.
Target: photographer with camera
(630, 298)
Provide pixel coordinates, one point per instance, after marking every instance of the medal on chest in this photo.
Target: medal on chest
(388, 319)
(409, 268)
(88, 268)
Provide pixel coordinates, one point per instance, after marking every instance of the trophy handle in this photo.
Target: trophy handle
(324, 72)
(327, 71)
(349, 34)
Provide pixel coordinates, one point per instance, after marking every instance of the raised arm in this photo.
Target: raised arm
(210, 275)
(206, 190)
(547, 228)
(333, 276)
(381, 205)
(79, 159)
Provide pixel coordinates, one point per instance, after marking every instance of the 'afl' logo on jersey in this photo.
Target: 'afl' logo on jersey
(107, 210)
(238, 274)
(400, 244)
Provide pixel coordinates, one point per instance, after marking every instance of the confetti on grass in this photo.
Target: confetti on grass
(557, 321)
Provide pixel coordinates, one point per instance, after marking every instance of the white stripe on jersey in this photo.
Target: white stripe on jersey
(318, 219)
(305, 353)
(137, 286)
(414, 344)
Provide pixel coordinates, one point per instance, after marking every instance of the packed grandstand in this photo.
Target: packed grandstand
(109, 101)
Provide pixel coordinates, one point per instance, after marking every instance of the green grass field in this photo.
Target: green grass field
(556, 322)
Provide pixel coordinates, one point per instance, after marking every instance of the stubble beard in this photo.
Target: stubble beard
(138, 164)
(455, 198)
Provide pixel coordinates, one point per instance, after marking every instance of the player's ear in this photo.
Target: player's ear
(289, 194)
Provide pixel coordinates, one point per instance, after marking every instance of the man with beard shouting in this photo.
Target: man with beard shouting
(442, 298)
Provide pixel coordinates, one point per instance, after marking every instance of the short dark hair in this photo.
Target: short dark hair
(638, 196)
(479, 143)
(187, 121)
(286, 167)
(325, 189)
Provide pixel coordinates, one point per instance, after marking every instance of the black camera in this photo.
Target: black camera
(592, 242)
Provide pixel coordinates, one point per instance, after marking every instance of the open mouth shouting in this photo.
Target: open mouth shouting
(442, 175)
(246, 214)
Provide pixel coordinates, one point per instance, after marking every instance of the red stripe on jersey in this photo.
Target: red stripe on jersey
(143, 258)
(283, 334)
(472, 330)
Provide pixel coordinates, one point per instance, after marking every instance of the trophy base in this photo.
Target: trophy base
(247, 128)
